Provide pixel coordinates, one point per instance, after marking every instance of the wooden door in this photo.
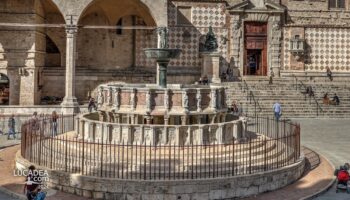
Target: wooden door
(255, 38)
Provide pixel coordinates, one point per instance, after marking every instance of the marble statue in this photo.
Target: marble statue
(163, 37)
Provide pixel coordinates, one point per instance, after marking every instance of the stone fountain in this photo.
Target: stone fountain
(162, 55)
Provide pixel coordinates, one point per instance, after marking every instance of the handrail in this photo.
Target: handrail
(310, 96)
(250, 97)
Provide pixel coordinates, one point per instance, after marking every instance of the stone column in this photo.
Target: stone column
(275, 45)
(211, 66)
(235, 45)
(70, 101)
(220, 134)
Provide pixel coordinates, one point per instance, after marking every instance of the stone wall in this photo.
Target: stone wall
(216, 188)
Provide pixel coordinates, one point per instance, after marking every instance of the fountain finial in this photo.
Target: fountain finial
(163, 37)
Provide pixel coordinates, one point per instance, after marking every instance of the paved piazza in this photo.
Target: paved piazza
(329, 137)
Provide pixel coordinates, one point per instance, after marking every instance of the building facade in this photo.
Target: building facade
(66, 48)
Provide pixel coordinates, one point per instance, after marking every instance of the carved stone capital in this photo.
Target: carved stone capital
(71, 30)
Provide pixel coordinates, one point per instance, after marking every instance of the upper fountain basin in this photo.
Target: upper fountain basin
(162, 54)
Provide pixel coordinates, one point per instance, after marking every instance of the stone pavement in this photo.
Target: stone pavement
(15, 184)
(317, 176)
(331, 138)
(4, 142)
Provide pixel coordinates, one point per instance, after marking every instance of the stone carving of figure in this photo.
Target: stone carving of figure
(276, 26)
(100, 98)
(199, 101)
(185, 100)
(133, 99)
(211, 43)
(148, 101)
(236, 25)
(109, 96)
(163, 37)
(116, 98)
(166, 100)
(214, 99)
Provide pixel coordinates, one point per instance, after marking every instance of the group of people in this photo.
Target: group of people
(203, 80)
(34, 121)
(335, 100)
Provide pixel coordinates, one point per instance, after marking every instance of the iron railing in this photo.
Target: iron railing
(311, 97)
(251, 98)
(270, 144)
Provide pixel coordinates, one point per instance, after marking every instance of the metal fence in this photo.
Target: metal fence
(270, 145)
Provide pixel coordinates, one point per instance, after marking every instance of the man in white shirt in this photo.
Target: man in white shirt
(277, 110)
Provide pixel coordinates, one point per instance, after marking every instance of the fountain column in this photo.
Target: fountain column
(162, 55)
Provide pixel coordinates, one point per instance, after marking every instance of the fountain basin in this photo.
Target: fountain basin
(162, 54)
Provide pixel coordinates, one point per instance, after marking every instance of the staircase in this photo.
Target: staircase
(288, 92)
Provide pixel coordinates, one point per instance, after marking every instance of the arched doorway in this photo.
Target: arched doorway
(4, 89)
(50, 78)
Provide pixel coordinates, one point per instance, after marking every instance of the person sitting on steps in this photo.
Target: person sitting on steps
(326, 100)
(335, 100)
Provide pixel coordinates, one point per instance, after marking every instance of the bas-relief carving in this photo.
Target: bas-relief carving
(148, 101)
(100, 98)
(160, 137)
(199, 100)
(117, 98)
(109, 96)
(148, 137)
(116, 134)
(171, 136)
(214, 99)
(166, 100)
(185, 100)
(133, 99)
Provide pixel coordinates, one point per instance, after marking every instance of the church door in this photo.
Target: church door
(255, 42)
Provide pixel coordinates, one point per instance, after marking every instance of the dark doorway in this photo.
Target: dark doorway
(253, 62)
(4, 90)
(255, 58)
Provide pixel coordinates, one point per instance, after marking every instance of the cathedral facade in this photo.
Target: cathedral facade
(66, 48)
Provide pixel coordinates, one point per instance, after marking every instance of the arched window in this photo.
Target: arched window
(337, 4)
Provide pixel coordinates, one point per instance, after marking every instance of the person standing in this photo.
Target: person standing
(11, 125)
(35, 121)
(329, 74)
(92, 105)
(277, 110)
(54, 118)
